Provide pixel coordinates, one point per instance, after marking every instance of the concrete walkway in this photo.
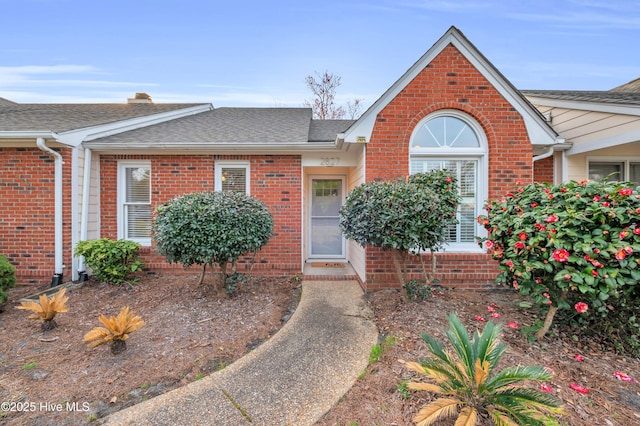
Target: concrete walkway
(294, 378)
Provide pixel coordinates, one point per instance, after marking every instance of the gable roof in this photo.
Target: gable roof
(539, 131)
(71, 124)
(618, 102)
(244, 128)
(632, 86)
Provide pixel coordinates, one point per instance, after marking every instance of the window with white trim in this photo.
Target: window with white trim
(612, 169)
(134, 201)
(232, 176)
(453, 141)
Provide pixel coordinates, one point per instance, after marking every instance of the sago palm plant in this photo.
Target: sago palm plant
(116, 331)
(46, 309)
(469, 388)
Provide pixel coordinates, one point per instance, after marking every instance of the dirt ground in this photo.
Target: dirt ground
(376, 400)
(190, 332)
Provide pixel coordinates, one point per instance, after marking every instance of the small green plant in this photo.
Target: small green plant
(467, 382)
(199, 376)
(29, 366)
(47, 308)
(378, 350)
(92, 418)
(404, 389)
(418, 290)
(529, 331)
(111, 261)
(7, 277)
(234, 282)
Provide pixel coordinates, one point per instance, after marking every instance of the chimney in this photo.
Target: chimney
(140, 98)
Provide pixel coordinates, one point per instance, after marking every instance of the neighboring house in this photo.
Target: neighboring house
(452, 109)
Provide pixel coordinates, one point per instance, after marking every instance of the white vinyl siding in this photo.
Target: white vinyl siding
(134, 202)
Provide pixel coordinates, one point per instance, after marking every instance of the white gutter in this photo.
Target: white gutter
(560, 146)
(57, 278)
(84, 219)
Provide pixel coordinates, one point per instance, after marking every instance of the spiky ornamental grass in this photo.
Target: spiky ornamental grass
(46, 309)
(115, 332)
(470, 388)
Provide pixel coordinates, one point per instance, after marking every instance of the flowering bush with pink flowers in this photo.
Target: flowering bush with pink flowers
(579, 242)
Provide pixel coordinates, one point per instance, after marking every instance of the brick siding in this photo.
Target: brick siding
(27, 226)
(275, 179)
(450, 81)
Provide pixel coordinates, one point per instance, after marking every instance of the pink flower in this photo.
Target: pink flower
(628, 250)
(620, 255)
(581, 307)
(596, 198)
(512, 324)
(495, 315)
(636, 231)
(560, 255)
(578, 357)
(545, 387)
(519, 245)
(567, 277)
(606, 204)
(625, 378)
(625, 192)
(623, 234)
(551, 219)
(534, 205)
(579, 389)
(488, 244)
(479, 318)
(491, 308)
(522, 236)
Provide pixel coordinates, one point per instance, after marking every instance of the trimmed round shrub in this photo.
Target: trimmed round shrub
(405, 216)
(207, 228)
(7, 277)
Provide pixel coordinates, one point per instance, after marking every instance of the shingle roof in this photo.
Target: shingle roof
(233, 126)
(632, 86)
(64, 117)
(620, 98)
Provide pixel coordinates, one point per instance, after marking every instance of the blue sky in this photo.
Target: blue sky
(258, 53)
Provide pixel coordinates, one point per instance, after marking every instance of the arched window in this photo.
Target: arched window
(449, 139)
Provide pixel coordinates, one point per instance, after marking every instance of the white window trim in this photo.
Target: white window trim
(122, 165)
(480, 154)
(220, 164)
(612, 159)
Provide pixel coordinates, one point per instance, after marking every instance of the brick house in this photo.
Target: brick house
(75, 172)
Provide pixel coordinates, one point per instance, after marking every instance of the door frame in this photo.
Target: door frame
(309, 209)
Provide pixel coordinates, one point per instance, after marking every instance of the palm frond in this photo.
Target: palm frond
(46, 309)
(440, 408)
(501, 419)
(115, 328)
(468, 417)
(520, 396)
(429, 387)
(515, 374)
(462, 345)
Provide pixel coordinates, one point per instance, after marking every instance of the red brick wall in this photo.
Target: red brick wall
(543, 170)
(275, 179)
(27, 226)
(448, 82)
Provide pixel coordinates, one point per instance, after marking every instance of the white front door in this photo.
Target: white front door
(325, 238)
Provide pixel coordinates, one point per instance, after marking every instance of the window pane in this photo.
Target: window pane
(608, 171)
(466, 172)
(138, 221)
(445, 132)
(634, 173)
(234, 179)
(138, 185)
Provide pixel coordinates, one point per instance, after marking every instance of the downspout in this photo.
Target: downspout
(84, 220)
(58, 272)
(561, 146)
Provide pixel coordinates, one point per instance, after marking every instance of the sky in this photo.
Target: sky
(258, 53)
